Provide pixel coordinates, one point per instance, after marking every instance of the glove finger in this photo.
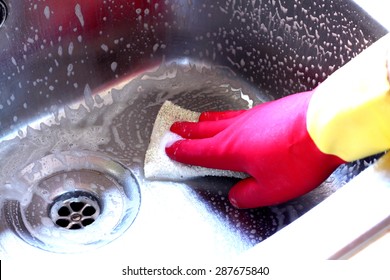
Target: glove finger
(248, 193)
(200, 130)
(202, 152)
(222, 115)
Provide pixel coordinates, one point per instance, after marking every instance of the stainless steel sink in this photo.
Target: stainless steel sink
(81, 84)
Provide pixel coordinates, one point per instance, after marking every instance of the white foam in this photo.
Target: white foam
(158, 166)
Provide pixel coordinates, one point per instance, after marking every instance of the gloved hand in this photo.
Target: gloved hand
(291, 145)
(269, 142)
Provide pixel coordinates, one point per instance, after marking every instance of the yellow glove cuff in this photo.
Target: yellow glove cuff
(349, 114)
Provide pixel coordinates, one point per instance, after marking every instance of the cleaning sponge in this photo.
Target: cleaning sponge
(158, 166)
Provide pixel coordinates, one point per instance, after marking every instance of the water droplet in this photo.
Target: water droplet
(104, 47)
(70, 48)
(79, 14)
(46, 12)
(114, 65)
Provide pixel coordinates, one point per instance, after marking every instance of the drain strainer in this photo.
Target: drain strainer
(78, 201)
(75, 210)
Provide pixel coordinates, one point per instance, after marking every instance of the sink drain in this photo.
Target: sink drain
(75, 210)
(78, 201)
(3, 13)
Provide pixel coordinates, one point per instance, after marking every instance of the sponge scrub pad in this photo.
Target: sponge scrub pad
(157, 165)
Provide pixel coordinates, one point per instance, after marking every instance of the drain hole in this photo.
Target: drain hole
(75, 210)
(64, 211)
(75, 226)
(77, 206)
(87, 222)
(63, 223)
(89, 211)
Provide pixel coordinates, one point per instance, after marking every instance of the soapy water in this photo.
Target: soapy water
(118, 123)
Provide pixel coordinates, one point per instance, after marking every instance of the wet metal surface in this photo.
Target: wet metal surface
(92, 77)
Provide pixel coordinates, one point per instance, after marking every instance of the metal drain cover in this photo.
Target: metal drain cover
(75, 210)
(79, 201)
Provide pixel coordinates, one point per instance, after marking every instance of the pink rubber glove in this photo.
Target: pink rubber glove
(269, 142)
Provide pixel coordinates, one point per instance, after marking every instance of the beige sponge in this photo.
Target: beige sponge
(158, 166)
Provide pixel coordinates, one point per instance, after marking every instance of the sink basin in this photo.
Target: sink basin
(81, 85)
